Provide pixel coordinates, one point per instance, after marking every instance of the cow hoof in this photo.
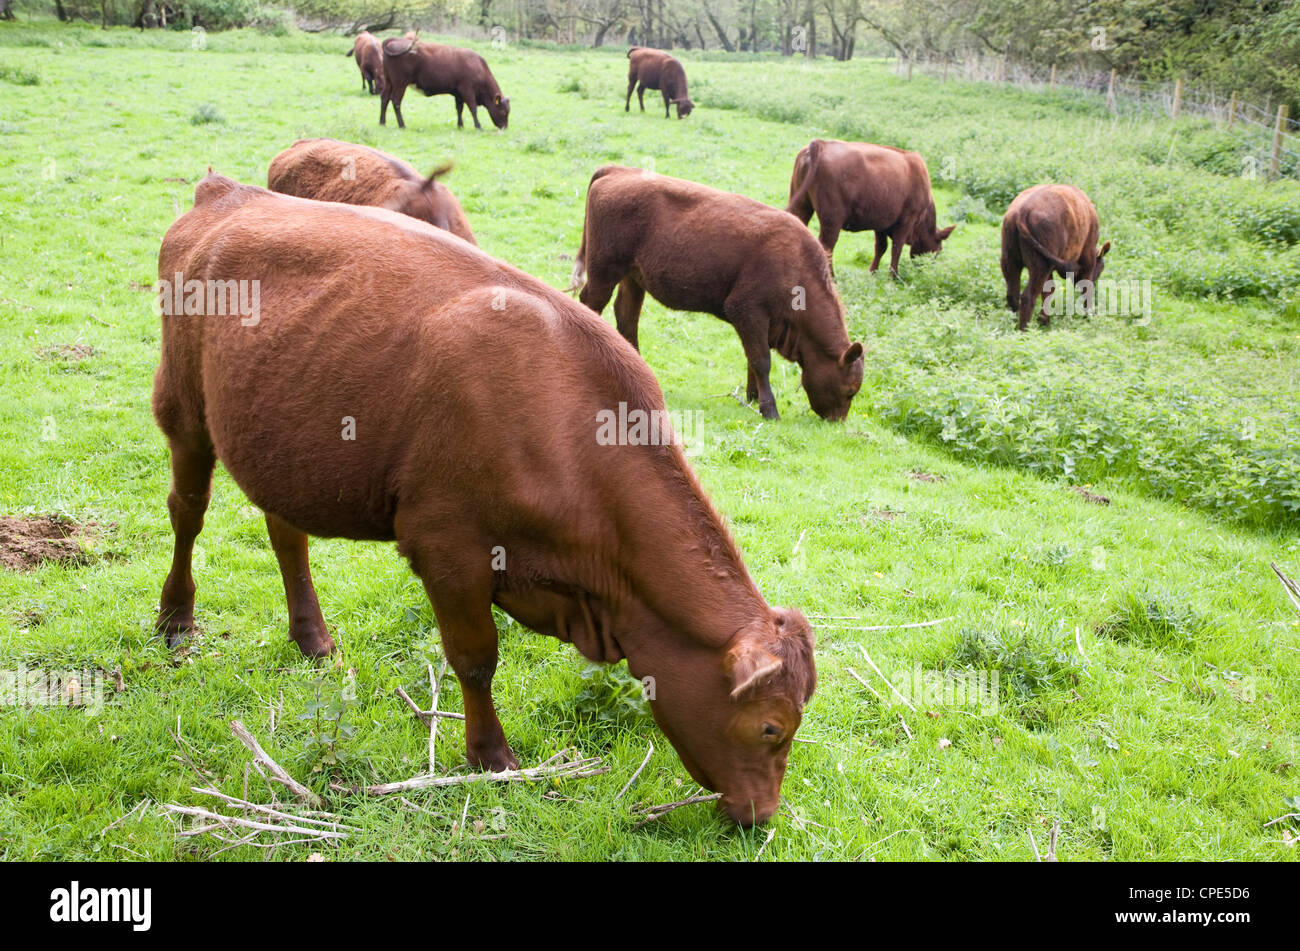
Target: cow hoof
(315, 644)
(769, 412)
(493, 759)
(175, 626)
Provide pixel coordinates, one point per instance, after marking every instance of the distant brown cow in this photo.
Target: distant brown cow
(329, 170)
(699, 249)
(1050, 228)
(655, 69)
(370, 60)
(435, 69)
(854, 186)
(398, 384)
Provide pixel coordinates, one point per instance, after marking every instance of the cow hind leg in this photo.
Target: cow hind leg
(631, 85)
(627, 309)
(601, 281)
(666, 103)
(460, 112)
(306, 624)
(192, 464)
(1033, 290)
(640, 96)
(1011, 269)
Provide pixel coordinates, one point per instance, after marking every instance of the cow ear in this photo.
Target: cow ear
(496, 100)
(943, 235)
(748, 664)
(1101, 253)
(854, 352)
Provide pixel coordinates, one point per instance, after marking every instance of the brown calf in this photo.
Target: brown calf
(435, 69)
(1049, 228)
(370, 60)
(328, 170)
(700, 249)
(399, 384)
(655, 69)
(854, 186)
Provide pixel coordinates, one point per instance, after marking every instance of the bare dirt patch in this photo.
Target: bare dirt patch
(28, 542)
(1092, 497)
(67, 352)
(920, 475)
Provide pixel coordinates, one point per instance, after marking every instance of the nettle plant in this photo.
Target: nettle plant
(325, 714)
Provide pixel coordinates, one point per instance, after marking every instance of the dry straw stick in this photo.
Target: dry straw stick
(574, 769)
(652, 813)
(278, 773)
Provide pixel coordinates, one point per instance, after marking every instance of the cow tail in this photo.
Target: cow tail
(1064, 267)
(814, 155)
(349, 52)
(578, 280)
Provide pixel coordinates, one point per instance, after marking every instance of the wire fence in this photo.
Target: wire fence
(1270, 138)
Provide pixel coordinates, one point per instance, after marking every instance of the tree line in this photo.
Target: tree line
(1248, 46)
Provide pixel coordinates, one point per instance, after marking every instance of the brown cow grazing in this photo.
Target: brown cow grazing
(370, 60)
(655, 69)
(699, 249)
(853, 186)
(328, 170)
(396, 383)
(1050, 228)
(435, 69)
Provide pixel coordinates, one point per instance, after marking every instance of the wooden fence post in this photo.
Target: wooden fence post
(1275, 163)
(1232, 110)
(1110, 92)
(945, 71)
(909, 67)
(1052, 84)
(1178, 98)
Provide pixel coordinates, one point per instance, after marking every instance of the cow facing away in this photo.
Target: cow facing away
(854, 186)
(400, 384)
(699, 249)
(655, 69)
(328, 170)
(1049, 228)
(435, 69)
(370, 60)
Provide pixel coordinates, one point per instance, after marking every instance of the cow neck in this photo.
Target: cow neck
(679, 568)
(830, 337)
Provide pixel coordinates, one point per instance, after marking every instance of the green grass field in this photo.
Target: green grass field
(1148, 661)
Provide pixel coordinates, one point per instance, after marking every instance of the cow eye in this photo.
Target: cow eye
(771, 731)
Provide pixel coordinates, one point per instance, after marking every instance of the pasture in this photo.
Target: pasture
(1088, 511)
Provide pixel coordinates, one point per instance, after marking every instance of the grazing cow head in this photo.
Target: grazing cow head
(498, 108)
(684, 106)
(1096, 268)
(832, 383)
(732, 716)
(930, 241)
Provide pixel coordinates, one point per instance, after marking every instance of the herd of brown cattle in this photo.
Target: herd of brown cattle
(400, 384)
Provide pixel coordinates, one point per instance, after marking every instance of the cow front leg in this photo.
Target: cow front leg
(306, 623)
(666, 103)
(460, 112)
(751, 384)
(895, 252)
(882, 244)
(186, 504)
(462, 604)
(627, 309)
(758, 354)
